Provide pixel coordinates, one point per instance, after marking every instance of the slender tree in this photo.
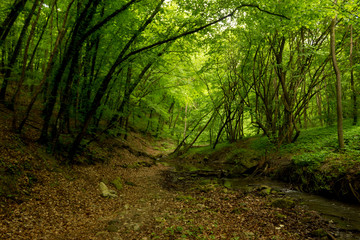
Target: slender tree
(352, 81)
(338, 83)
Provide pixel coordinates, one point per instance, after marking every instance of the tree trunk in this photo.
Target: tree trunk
(354, 112)
(10, 19)
(48, 69)
(23, 70)
(73, 47)
(16, 52)
(319, 105)
(185, 120)
(338, 84)
(198, 135)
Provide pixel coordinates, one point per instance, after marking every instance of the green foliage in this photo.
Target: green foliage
(228, 72)
(262, 145)
(310, 159)
(318, 144)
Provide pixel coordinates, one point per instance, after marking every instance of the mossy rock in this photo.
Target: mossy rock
(184, 198)
(117, 183)
(265, 190)
(283, 203)
(319, 233)
(113, 226)
(280, 216)
(228, 184)
(206, 188)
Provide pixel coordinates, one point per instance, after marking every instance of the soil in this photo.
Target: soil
(43, 199)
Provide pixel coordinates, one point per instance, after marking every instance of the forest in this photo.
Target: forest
(185, 95)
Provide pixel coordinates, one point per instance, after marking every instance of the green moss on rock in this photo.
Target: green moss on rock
(117, 183)
(283, 203)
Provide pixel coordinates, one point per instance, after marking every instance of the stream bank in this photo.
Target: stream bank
(331, 174)
(240, 167)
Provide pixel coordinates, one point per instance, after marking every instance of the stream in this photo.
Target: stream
(345, 216)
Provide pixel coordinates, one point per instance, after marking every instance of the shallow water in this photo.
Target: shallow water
(345, 216)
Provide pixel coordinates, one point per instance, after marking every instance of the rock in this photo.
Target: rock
(283, 203)
(319, 233)
(228, 184)
(280, 216)
(137, 227)
(239, 210)
(105, 192)
(249, 235)
(113, 226)
(130, 183)
(265, 190)
(207, 188)
(243, 166)
(100, 233)
(200, 206)
(117, 183)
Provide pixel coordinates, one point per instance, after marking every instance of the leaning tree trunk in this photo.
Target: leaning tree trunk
(75, 44)
(10, 19)
(49, 67)
(16, 52)
(23, 70)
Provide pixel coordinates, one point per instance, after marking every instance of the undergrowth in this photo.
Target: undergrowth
(317, 145)
(319, 165)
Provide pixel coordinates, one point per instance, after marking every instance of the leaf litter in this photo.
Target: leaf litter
(52, 201)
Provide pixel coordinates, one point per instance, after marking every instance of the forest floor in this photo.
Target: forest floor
(42, 199)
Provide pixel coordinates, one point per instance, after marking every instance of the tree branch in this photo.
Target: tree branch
(108, 18)
(199, 29)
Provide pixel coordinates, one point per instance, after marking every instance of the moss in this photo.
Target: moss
(130, 183)
(280, 216)
(184, 198)
(283, 203)
(117, 183)
(319, 233)
(113, 226)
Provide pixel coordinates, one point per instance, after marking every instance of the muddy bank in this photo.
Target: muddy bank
(328, 180)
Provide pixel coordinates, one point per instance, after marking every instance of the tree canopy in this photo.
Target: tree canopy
(200, 72)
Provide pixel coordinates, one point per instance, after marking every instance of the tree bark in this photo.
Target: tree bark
(338, 84)
(48, 69)
(23, 70)
(16, 52)
(73, 47)
(354, 112)
(10, 19)
(100, 93)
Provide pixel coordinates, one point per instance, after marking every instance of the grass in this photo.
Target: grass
(318, 164)
(317, 145)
